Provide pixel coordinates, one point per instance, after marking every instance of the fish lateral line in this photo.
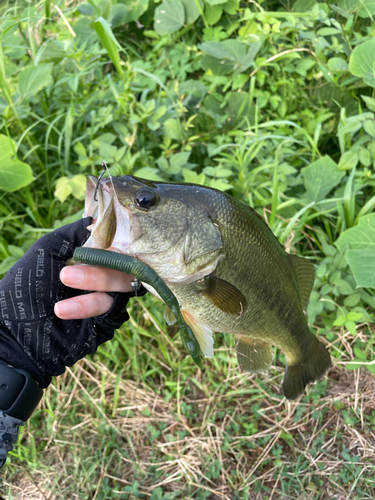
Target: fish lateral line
(142, 272)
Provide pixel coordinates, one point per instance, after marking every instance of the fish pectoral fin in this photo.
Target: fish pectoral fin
(169, 316)
(304, 271)
(309, 369)
(202, 333)
(253, 355)
(224, 296)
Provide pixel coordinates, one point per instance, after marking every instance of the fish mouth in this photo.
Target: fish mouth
(111, 227)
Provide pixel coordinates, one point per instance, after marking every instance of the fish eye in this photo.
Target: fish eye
(145, 198)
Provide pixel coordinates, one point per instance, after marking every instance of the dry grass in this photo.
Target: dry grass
(259, 444)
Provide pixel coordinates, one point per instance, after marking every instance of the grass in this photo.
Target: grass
(127, 423)
(138, 420)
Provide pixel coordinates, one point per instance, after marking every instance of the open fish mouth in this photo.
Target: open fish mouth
(111, 225)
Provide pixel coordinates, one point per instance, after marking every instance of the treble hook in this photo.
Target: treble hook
(105, 168)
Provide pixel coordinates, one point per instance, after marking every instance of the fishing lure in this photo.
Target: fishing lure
(143, 272)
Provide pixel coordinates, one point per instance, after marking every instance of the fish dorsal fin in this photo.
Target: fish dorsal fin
(169, 316)
(304, 272)
(202, 333)
(202, 237)
(253, 355)
(224, 296)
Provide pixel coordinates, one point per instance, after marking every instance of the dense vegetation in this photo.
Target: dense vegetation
(271, 101)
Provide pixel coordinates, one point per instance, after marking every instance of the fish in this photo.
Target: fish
(227, 269)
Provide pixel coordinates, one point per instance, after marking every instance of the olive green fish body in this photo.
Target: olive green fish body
(224, 265)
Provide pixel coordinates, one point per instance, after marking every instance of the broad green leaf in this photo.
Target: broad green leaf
(320, 177)
(337, 64)
(63, 189)
(14, 174)
(7, 149)
(223, 50)
(51, 51)
(34, 78)
(362, 62)
(370, 101)
(191, 11)
(231, 6)
(169, 17)
(135, 8)
(78, 185)
(348, 160)
(213, 13)
(360, 237)
(215, 2)
(109, 42)
(361, 254)
(369, 127)
(149, 173)
(179, 159)
(303, 5)
(364, 157)
(365, 8)
(173, 129)
(118, 15)
(362, 263)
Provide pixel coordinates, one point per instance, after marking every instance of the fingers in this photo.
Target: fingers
(96, 278)
(84, 306)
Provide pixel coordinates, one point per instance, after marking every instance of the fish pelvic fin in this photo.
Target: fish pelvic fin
(169, 316)
(311, 368)
(304, 271)
(202, 333)
(253, 355)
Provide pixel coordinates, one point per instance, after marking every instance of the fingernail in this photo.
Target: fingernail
(66, 308)
(73, 276)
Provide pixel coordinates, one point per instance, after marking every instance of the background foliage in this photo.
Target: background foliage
(271, 101)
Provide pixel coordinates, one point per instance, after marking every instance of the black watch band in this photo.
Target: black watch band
(19, 393)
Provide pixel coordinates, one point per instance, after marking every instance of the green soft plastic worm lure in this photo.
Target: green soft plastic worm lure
(143, 272)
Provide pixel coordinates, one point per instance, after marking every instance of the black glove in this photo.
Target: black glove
(31, 336)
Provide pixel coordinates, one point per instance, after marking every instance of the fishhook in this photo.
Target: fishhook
(105, 168)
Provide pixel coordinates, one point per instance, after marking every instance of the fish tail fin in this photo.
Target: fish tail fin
(311, 368)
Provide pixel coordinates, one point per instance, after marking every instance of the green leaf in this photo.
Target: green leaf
(173, 129)
(337, 64)
(365, 8)
(213, 13)
(320, 177)
(118, 15)
(34, 78)
(169, 17)
(362, 263)
(370, 101)
(215, 2)
(78, 185)
(369, 127)
(63, 189)
(149, 173)
(348, 160)
(360, 237)
(135, 8)
(191, 11)
(361, 254)
(364, 157)
(14, 174)
(109, 42)
(362, 62)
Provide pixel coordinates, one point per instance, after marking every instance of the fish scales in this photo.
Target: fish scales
(223, 263)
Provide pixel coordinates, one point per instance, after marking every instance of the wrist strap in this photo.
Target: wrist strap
(19, 393)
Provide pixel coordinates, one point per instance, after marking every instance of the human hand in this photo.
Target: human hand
(90, 278)
(32, 336)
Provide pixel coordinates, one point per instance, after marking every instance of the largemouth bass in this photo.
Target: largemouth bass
(226, 268)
